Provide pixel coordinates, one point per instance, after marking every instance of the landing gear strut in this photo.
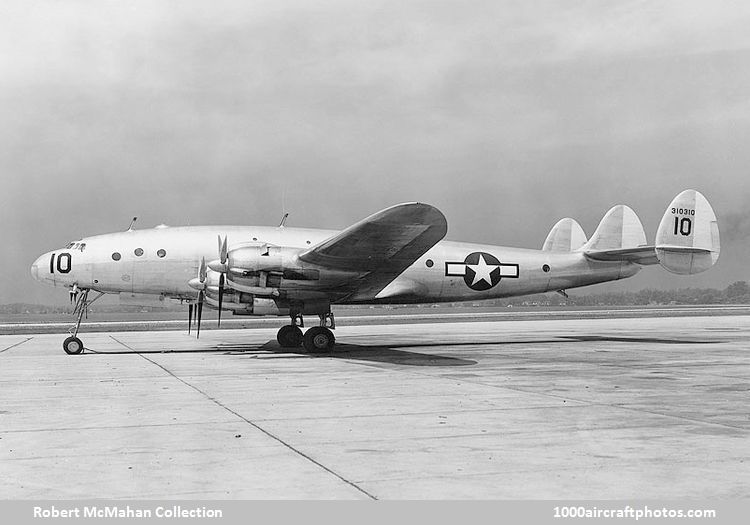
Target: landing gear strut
(72, 345)
(316, 339)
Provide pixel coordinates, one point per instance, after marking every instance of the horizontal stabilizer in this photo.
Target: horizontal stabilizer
(620, 229)
(565, 236)
(687, 240)
(642, 255)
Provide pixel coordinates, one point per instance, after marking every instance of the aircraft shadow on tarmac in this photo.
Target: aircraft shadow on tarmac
(375, 354)
(395, 354)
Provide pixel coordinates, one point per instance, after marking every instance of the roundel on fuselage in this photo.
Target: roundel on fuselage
(481, 270)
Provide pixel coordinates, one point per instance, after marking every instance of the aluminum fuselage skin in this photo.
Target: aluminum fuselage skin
(428, 279)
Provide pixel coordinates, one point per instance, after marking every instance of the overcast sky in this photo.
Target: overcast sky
(505, 115)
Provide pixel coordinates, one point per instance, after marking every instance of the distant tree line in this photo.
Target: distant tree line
(736, 293)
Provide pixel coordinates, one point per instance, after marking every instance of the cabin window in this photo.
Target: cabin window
(116, 256)
(429, 263)
(545, 268)
(161, 253)
(138, 252)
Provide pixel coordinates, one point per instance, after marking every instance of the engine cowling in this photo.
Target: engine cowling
(263, 258)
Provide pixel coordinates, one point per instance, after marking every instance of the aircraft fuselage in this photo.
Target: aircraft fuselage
(162, 261)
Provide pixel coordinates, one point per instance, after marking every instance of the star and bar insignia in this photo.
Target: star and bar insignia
(481, 271)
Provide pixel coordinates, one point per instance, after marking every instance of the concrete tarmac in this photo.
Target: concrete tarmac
(596, 408)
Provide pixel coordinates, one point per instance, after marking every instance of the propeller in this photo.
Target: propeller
(198, 283)
(223, 261)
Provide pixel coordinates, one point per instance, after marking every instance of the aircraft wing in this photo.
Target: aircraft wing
(381, 246)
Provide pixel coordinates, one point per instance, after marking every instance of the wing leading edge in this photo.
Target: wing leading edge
(381, 246)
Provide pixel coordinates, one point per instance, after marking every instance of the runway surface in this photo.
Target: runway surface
(596, 408)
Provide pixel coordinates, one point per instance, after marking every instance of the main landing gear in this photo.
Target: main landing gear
(72, 345)
(316, 339)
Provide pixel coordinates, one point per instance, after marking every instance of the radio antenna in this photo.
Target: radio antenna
(283, 207)
(132, 223)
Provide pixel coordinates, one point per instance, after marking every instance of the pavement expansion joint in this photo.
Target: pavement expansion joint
(250, 422)
(17, 344)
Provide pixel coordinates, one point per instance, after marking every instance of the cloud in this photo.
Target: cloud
(506, 115)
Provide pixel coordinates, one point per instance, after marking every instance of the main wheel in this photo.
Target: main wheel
(72, 345)
(318, 339)
(289, 336)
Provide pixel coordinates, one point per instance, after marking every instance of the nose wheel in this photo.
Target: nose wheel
(72, 346)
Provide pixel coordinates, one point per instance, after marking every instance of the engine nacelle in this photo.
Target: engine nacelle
(262, 258)
(259, 306)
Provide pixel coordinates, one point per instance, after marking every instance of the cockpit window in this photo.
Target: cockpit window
(76, 246)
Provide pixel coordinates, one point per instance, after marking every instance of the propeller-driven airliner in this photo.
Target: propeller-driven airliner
(394, 256)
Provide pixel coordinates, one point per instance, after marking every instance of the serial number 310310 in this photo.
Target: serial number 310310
(683, 211)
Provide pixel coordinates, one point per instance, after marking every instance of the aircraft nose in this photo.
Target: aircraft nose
(35, 267)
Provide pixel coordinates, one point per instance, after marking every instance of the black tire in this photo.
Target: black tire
(72, 346)
(289, 336)
(319, 339)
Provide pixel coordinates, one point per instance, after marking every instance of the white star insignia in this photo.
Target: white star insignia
(482, 271)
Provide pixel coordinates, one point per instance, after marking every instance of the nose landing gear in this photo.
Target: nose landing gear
(72, 345)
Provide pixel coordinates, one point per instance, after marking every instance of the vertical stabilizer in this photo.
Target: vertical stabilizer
(619, 229)
(565, 236)
(687, 240)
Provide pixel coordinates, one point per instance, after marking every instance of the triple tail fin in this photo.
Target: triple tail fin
(687, 240)
(565, 236)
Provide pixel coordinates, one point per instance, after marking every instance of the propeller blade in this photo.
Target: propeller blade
(202, 272)
(221, 295)
(223, 251)
(200, 313)
(190, 316)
